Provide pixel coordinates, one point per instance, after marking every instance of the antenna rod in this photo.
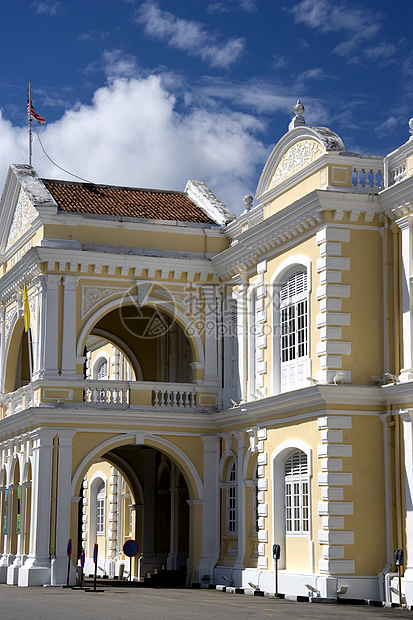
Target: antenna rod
(29, 112)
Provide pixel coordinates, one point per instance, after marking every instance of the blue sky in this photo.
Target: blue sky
(150, 94)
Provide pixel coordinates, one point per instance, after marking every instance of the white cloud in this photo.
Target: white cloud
(45, 7)
(119, 64)
(389, 125)
(265, 98)
(359, 24)
(13, 147)
(231, 5)
(134, 134)
(381, 52)
(279, 62)
(317, 73)
(189, 36)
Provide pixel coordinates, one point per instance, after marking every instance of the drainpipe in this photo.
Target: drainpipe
(387, 578)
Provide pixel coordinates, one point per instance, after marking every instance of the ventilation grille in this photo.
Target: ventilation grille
(295, 285)
(296, 464)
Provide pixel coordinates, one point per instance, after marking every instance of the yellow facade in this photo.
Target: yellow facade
(214, 386)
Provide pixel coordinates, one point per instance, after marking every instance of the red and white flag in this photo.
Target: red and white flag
(32, 112)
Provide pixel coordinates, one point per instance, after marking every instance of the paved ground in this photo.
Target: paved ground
(125, 604)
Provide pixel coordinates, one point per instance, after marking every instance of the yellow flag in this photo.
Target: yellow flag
(26, 310)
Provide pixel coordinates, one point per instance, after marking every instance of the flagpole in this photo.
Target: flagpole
(29, 111)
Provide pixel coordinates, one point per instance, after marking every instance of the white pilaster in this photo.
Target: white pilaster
(48, 327)
(406, 226)
(69, 328)
(406, 416)
(211, 375)
(241, 501)
(211, 504)
(64, 468)
(36, 570)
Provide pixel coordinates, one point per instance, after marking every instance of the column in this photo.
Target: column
(6, 557)
(2, 338)
(115, 534)
(407, 416)
(241, 502)
(36, 570)
(64, 490)
(171, 560)
(242, 321)
(148, 559)
(211, 376)
(69, 329)
(48, 327)
(406, 226)
(211, 508)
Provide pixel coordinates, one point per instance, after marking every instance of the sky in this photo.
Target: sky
(147, 93)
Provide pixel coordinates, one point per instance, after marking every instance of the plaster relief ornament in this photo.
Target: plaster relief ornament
(8, 318)
(92, 295)
(24, 215)
(296, 157)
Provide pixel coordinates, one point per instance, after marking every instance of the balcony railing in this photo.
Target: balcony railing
(371, 179)
(116, 395)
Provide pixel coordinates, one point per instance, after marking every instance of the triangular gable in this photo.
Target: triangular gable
(23, 199)
(24, 215)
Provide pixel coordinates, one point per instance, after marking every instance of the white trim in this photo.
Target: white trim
(148, 439)
(277, 279)
(173, 311)
(278, 483)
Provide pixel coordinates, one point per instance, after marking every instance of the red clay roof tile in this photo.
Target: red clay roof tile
(125, 202)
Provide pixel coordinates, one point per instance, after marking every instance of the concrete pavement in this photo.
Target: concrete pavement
(158, 604)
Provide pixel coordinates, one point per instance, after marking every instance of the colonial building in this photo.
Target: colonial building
(211, 385)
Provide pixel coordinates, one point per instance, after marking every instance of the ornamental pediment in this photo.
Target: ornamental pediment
(24, 215)
(297, 150)
(296, 158)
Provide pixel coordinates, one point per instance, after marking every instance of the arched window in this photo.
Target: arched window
(296, 493)
(102, 370)
(294, 330)
(232, 499)
(100, 509)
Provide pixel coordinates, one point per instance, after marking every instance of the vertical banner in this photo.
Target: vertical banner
(6, 500)
(19, 495)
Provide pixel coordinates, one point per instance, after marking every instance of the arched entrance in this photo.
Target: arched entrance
(139, 492)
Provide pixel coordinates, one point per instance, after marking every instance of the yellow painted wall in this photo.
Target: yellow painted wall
(119, 235)
(365, 306)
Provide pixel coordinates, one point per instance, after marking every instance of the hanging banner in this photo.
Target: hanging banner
(5, 511)
(19, 495)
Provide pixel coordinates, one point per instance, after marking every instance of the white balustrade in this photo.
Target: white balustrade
(398, 174)
(110, 394)
(173, 398)
(18, 400)
(368, 178)
(106, 395)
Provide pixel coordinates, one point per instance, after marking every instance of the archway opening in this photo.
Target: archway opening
(152, 343)
(17, 366)
(135, 492)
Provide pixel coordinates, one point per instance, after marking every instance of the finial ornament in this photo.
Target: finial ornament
(247, 202)
(298, 119)
(298, 108)
(411, 128)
